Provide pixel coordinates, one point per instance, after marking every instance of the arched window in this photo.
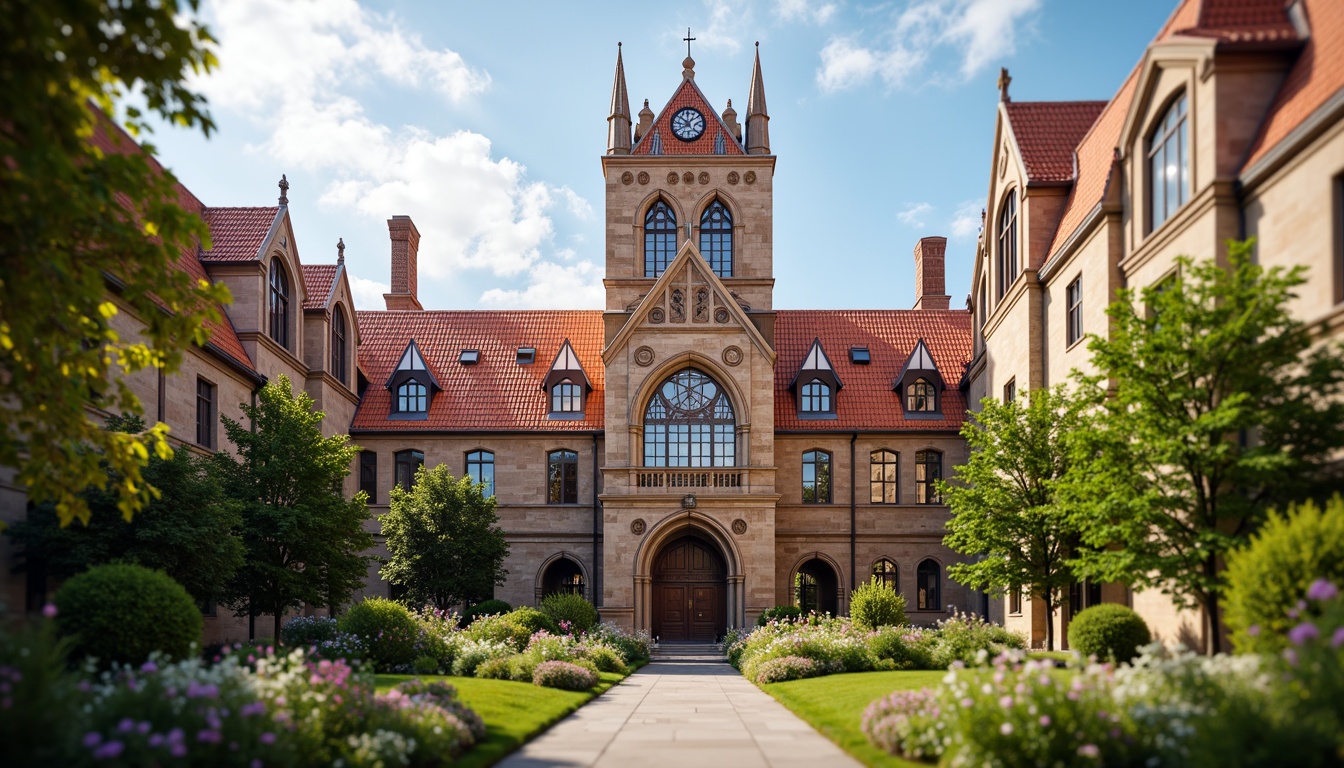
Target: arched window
(564, 576)
(412, 398)
(338, 353)
(562, 477)
(1008, 243)
(921, 397)
(716, 238)
(886, 574)
(406, 465)
(279, 304)
(660, 238)
(929, 582)
(928, 470)
(816, 477)
(481, 469)
(1168, 164)
(882, 476)
(816, 397)
(689, 422)
(566, 397)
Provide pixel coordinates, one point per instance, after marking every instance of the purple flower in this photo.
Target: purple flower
(92, 739)
(1321, 590)
(1291, 657)
(1253, 630)
(149, 667)
(178, 749)
(156, 740)
(1303, 632)
(268, 738)
(108, 751)
(49, 610)
(1045, 721)
(1337, 639)
(143, 727)
(126, 725)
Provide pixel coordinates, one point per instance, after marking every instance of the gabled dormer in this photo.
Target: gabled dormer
(566, 385)
(815, 385)
(412, 385)
(920, 385)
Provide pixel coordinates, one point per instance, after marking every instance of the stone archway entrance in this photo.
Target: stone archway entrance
(690, 591)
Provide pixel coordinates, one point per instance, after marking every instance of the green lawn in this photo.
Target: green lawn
(514, 713)
(834, 705)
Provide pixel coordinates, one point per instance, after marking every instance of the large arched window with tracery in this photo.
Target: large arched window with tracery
(690, 423)
(660, 238)
(716, 238)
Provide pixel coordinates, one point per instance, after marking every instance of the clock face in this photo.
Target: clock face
(688, 124)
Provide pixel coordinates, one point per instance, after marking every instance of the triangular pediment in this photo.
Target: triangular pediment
(688, 297)
(412, 366)
(919, 364)
(816, 365)
(717, 138)
(566, 366)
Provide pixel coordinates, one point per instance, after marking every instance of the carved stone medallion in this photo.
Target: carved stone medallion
(704, 177)
(672, 177)
(732, 355)
(643, 177)
(733, 178)
(627, 178)
(750, 178)
(644, 356)
(638, 526)
(739, 526)
(656, 315)
(720, 315)
(688, 177)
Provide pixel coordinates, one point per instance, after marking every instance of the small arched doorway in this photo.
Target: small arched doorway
(562, 576)
(816, 587)
(690, 592)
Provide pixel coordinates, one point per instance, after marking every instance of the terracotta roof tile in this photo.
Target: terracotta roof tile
(688, 95)
(867, 401)
(1316, 76)
(318, 280)
(1047, 132)
(495, 394)
(237, 233)
(1241, 21)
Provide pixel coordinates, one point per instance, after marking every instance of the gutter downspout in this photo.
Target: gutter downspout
(597, 533)
(853, 516)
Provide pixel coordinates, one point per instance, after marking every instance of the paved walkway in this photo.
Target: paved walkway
(682, 714)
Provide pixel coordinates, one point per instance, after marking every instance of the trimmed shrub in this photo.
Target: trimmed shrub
(571, 612)
(425, 665)
(515, 628)
(387, 630)
(876, 605)
(500, 668)
(779, 613)
(634, 647)
(473, 653)
(788, 668)
(486, 608)
(1274, 571)
(533, 621)
(307, 631)
(901, 648)
(563, 675)
(1108, 631)
(605, 659)
(121, 613)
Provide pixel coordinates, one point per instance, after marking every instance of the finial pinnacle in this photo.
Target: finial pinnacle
(340, 250)
(284, 190)
(688, 40)
(1004, 81)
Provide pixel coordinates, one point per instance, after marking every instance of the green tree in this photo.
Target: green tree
(304, 539)
(1005, 502)
(188, 531)
(1215, 404)
(444, 539)
(83, 230)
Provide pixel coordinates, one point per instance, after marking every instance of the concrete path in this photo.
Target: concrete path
(687, 714)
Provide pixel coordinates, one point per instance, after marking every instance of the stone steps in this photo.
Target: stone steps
(688, 653)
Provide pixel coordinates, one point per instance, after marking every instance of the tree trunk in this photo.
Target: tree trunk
(1049, 624)
(1213, 642)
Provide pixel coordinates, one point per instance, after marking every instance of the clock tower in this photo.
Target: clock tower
(688, 483)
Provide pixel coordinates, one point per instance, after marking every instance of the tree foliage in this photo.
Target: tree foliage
(188, 530)
(444, 539)
(304, 539)
(105, 227)
(1005, 502)
(1214, 405)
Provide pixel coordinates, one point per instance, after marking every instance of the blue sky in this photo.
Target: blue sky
(486, 121)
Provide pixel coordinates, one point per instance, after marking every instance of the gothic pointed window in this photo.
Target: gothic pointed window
(716, 238)
(656, 143)
(339, 366)
(720, 146)
(929, 587)
(279, 303)
(1008, 243)
(887, 575)
(689, 422)
(660, 238)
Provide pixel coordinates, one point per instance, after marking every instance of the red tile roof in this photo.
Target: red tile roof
(688, 95)
(495, 394)
(318, 280)
(237, 233)
(1241, 21)
(1316, 76)
(1047, 133)
(867, 401)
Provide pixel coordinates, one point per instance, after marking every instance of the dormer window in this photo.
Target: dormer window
(921, 397)
(920, 385)
(860, 355)
(412, 385)
(411, 398)
(469, 357)
(815, 397)
(816, 385)
(566, 397)
(527, 355)
(567, 384)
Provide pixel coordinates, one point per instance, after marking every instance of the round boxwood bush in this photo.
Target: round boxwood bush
(1273, 572)
(120, 613)
(579, 614)
(486, 608)
(876, 605)
(387, 630)
(779, 613)
(563, 675)
(532, 621)
(1108, 631)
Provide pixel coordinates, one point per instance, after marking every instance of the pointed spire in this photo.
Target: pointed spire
(758, 119)
(618, 122)
(284, 190)
(340, 250)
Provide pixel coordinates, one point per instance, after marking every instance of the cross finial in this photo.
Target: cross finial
(284, 190)
(340, 250)
(688, 40)
(1004, 80)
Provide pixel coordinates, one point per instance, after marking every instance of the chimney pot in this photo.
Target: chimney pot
(930, 274)
(405, 254)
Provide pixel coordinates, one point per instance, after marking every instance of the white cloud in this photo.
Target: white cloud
(368, 294)
(727, 23)
(914, 214)
(979, 32)
(966, 221)
(553, 286)
(805, 10)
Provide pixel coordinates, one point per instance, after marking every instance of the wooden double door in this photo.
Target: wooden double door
(690, 592)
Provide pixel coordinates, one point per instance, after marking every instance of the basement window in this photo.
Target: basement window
(469, 357)
(860, 356)
(527, 355)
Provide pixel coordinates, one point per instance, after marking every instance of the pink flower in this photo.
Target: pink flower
(1006, 729)
(1253, 630)
(49, 610)
(1045, 721)
(1089, 750)
(1321, 590)
(1337, 639)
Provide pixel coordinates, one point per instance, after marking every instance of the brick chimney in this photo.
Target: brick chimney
(405, 251)
(930, 285)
